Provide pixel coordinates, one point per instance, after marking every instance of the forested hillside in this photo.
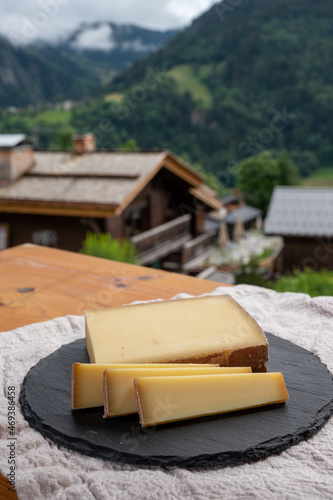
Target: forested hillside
(265, 69)
(74, 67)
(239, 80)
(29, 77)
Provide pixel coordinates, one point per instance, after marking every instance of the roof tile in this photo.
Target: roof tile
(300, 211)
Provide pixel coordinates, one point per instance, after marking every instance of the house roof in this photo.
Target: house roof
(103, 180)
(245, 214)
(68, 189)
(231, 198)
(12, 140)
(206, 195)
(99, 164)
(300, 211)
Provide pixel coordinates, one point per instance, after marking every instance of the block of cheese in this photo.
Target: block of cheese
(87, 381)
(212, 329)
(169, 399)
(119, 394)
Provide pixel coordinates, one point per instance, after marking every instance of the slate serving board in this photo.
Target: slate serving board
(224, 440)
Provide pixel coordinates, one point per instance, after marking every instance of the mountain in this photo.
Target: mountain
(244, 77)
(28, 77)
(258, 75)
(105, 48)
(74, 66)
(121, 41)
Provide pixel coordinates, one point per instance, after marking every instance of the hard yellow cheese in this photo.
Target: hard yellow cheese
(87, 381)
(119, 394)
(213, 329)
(169, 399)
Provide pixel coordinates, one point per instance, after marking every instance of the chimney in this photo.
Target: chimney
(16, 156)
(83, 143)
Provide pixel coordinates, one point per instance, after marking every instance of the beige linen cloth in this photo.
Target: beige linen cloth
(47, 471)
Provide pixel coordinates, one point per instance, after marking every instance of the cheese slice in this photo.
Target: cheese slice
(119, 394)
(213, 329)
(169, 399)
(87, 381)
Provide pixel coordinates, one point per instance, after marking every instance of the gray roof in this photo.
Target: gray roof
(231, 198)
(211, 225)
(101, 178)
(99, 164)
(300, 211)
(96, 178)
(245, 214)
(12, 140)
(69, 189)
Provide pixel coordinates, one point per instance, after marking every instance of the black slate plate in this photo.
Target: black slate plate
(227, 439)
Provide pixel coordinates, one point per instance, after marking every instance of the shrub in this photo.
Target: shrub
(313, 283)
(102, 245)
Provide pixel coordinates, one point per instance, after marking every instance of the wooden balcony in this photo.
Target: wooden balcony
(162, 240)
(192, 255)
(196, 251)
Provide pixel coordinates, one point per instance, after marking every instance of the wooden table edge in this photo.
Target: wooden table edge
(22, 252)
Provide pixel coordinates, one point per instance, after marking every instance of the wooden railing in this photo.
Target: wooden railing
(158, 242)
(277, 259)
(197, 249)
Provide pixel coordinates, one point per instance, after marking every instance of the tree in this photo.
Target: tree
(65, 136)
(257, 177)
(130, 145)
(288, 171)
(259, 174)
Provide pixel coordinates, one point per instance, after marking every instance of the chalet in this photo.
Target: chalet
(304, 217)
(152, 198)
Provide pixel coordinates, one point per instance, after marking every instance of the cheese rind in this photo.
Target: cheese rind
(87, 381)
(169, 399)
(119, 393)
(212, 329)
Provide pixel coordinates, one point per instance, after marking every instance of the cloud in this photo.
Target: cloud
(50, 19)
(100, 37)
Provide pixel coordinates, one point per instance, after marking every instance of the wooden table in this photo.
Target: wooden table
(38, 284)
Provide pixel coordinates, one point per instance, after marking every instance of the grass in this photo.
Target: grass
(48, 117)
(187, 81)
(53, 117)
(114, 96)
(26, 121)
(321, 177)
(207, 70)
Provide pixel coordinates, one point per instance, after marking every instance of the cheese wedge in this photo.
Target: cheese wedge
(213, 329)
(119, 394)
(87, 381)
(169, 399)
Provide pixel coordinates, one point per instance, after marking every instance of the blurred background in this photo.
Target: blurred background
(191, 136)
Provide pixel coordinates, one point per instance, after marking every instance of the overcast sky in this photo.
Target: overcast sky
(47, 19)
